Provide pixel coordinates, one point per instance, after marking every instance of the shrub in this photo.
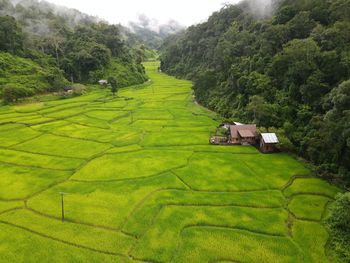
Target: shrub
(26, 76)
(339, 225)
(13, 92)
(78, 89)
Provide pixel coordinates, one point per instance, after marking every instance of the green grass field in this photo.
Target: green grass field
(142, 184)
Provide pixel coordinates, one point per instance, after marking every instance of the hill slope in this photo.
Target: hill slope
(72, 45)
(27, 75)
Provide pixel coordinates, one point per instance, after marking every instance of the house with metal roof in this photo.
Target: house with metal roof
(103, 82)
(268, 142)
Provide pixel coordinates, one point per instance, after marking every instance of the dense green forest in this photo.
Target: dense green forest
(43, 48)
(289, 70)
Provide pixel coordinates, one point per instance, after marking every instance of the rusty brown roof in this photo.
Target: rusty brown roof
(246, 133)
(235, 128)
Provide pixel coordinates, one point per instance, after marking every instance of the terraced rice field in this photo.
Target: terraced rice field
(143, 185)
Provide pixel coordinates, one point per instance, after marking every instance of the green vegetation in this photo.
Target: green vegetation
(151, 54)
(221, 241)
(289, 71)
(338, 222)
(114, 86)
(312, 245)
(311, 186)
(125, 74)
(21, 244)
(52, 145)
(20, 182)
(23, 77)
(45, 47)
(142, 184)
(308, 206)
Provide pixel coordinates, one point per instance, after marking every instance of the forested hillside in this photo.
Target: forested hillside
(44, 47)
(152, 34)
(36, 16)
(289, 70)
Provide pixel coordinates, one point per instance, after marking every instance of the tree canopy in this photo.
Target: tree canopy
(113, 82)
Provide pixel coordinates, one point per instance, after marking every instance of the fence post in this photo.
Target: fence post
(62, 205)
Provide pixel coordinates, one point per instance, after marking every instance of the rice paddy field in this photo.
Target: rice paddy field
(142, 184)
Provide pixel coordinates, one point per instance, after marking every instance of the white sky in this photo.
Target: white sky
(186, 12)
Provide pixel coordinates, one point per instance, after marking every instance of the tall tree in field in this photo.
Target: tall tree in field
(114, 86)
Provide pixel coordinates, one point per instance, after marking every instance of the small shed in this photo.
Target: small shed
(268, 142)
(243, 134)
(103, 82)
(68, 89)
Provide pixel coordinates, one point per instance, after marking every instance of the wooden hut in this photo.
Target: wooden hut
(243, 134)
(268, 142)
(68, 89)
